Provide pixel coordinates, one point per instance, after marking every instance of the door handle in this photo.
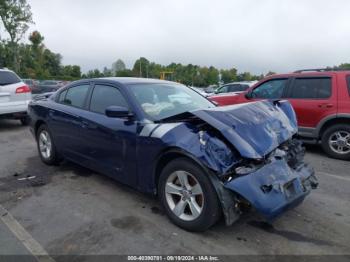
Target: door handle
(325, 105)
(86, 124)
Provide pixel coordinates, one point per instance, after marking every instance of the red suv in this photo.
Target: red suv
(320, 98)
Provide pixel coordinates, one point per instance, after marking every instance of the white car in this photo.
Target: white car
(235, 87)
(14, 97)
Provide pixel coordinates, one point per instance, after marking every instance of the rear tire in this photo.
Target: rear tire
(336, 141)
(200, 207)
(46, 146)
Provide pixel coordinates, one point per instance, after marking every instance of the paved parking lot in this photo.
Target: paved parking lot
(72, 210)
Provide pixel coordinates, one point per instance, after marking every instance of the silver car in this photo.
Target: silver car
(235, 87)
(14, 96)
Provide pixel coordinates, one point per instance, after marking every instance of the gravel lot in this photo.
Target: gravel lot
(72, 210)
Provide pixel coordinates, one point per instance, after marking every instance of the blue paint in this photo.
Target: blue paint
(283, 187)
(218, 139)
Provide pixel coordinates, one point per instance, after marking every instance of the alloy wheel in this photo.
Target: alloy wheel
(184, 195)
(339, 142)
(45, 144)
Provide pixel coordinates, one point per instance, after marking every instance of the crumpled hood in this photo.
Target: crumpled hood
(254, 129)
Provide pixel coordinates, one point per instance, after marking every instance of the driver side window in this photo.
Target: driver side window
(272, 89)
(104, 96)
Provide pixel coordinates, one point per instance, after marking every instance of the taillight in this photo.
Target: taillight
(23, 89)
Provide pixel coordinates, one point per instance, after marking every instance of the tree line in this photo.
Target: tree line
(35, 60)
(190, 74)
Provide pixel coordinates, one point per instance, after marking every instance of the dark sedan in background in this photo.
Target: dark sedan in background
(163, 138)
(43, 86)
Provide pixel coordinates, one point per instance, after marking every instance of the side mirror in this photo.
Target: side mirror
(118, 112)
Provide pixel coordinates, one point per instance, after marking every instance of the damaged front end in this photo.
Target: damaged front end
(281, 181)
(270, 185)
(251, 154)
(270, 182)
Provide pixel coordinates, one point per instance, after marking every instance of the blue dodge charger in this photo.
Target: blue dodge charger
(163, 138)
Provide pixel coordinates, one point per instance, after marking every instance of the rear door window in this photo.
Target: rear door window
(76, 96)
(311, 88)
(271, 89)
(104, 96)
(8, 78)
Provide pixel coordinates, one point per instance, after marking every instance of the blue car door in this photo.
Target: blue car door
(110, 142)
(66, 123)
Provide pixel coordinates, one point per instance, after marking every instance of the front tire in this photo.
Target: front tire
(188, 196)
(336, 141)
(46, 147)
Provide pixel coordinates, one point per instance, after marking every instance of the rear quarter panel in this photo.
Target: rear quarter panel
(343, 81)
(37, 111)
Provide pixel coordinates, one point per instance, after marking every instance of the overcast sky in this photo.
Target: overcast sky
(251, 35)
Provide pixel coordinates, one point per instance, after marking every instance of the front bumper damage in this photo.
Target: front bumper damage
(256, 160)
(270, 186)
(275, 187)
(251, 155)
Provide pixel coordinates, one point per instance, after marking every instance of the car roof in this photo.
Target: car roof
(309, 74)
(5, 70)
(134, 80)
(125, 80)
(118, 80)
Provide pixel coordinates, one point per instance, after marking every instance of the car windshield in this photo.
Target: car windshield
(161, 101)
